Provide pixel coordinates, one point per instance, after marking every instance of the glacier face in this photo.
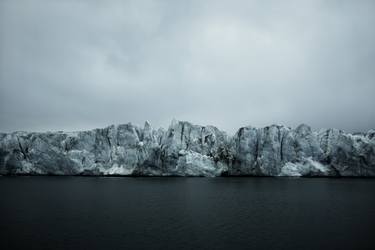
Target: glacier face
(185, 149)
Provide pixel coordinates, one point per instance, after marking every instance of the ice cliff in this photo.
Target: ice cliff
(185, 149)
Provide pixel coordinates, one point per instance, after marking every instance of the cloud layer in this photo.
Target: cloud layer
(69, 65)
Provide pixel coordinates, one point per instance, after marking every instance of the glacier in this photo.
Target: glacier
(185, 149)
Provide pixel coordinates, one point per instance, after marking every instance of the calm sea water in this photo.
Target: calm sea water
(186, 213)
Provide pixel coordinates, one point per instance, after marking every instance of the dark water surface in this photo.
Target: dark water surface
(186, 213)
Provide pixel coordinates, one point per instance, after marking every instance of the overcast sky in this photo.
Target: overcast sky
(72, 65)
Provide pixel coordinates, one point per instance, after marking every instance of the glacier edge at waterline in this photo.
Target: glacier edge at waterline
(185, 149)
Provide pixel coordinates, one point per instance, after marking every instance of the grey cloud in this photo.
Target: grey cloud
(68, 65)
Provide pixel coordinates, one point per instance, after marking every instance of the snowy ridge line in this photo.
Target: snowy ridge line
(185, 149)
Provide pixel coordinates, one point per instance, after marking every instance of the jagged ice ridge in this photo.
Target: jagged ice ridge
(185, 149)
